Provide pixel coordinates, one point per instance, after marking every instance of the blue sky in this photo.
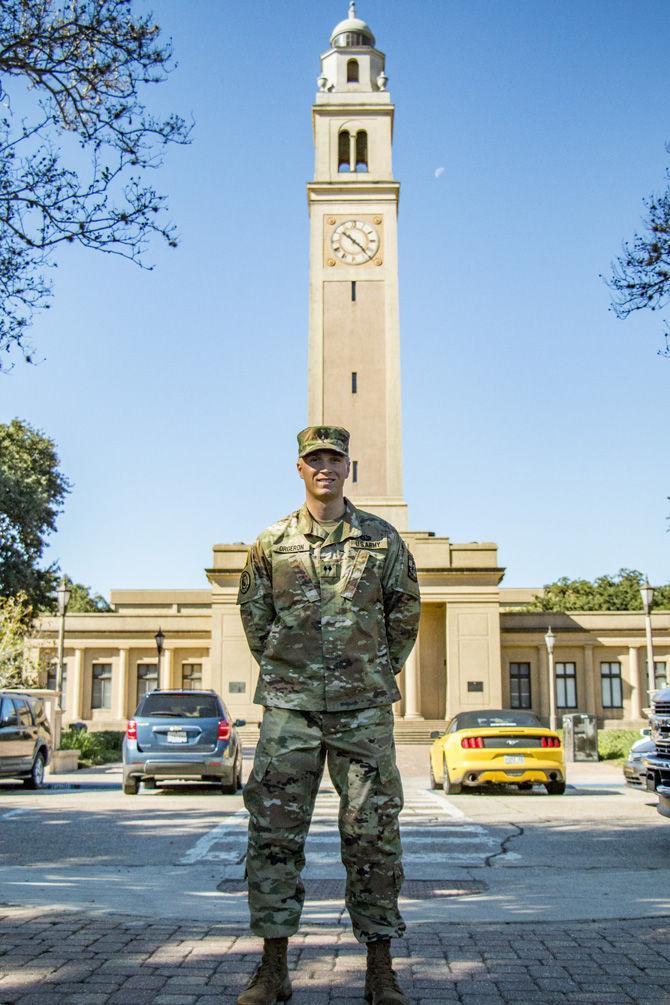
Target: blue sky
(532, 417)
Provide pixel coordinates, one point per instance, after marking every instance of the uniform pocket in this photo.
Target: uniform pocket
(261, 765)
(356, 571)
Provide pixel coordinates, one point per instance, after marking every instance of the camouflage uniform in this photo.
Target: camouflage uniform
(331, 618)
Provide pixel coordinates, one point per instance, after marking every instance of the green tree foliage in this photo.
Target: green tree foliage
(76, 143)
(32, 491)
(16, 618)
(641, 275)
(606, 593)
(83, 600)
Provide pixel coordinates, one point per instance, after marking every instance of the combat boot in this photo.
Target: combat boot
(381, 983)
(270, 982)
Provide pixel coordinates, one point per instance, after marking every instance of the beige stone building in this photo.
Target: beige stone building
(476, 648)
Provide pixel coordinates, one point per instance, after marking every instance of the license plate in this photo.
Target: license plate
(177, 738)
(514, 758)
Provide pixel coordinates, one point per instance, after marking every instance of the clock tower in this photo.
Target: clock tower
(354, 340)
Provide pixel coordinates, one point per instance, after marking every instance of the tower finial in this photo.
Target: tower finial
(352, 8)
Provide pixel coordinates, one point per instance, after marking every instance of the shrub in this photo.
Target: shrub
(95, 748)
(614, 744)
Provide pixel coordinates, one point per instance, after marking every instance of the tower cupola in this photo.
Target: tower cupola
(352, 32)
(352, 64)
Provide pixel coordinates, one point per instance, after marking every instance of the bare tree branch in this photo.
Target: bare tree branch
(84, 65)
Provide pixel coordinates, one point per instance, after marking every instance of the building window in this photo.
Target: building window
(354, 471)
(566, 685)
(353, 292)
(361, 150)
(519, 685)
(101, 695)
(237, 687)
(344, 151)
(191, 676)
(352, 71)
(660, 674)
(610, 685)
(52, 680)
(354, 382)
(147, 678)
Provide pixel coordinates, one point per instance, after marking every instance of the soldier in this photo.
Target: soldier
(330, 604)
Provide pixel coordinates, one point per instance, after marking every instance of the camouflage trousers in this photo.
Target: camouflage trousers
(280, 795)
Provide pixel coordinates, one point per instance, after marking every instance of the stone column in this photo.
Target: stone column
(634, 674)
(166, 670)
(589, 680)
(121, 710)
(413, 685)
(76, 688)
(543, 675)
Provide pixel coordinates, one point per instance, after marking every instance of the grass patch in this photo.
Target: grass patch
(94, 748)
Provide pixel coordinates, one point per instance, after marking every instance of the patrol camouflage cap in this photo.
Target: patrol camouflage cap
(323, 438)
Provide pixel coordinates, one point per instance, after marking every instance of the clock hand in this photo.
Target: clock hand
(357, 243)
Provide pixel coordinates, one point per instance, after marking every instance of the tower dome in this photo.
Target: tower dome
(352, 32)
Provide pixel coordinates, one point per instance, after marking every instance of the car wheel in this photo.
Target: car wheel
(555, 788)
(525, 786)
(35, 779)
(238, 778)
(229, 788)
(451, 788)
(131, 786)
(434, 784)
(149, 783)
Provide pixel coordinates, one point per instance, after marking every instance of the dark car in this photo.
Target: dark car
(635, 766)
(658, 760)
(25, 738)
(182, 735)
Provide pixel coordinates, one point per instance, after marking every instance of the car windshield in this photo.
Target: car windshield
(181, 706)
(498, 717)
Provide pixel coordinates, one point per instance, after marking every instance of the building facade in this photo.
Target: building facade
(477, 647)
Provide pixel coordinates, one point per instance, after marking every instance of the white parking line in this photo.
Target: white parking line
(202, 848)
(15, 813)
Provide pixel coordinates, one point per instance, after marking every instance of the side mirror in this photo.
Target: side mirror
(436, 734)
(645, 731)
(240, 722)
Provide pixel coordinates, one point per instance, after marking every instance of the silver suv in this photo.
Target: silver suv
(25, 738)
(182, 735)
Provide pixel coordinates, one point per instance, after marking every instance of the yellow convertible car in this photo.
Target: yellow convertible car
(497, 746)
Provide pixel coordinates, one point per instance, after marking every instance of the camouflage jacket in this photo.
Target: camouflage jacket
(330, 618)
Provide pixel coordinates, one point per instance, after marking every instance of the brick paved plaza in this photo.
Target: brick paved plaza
(70, 958)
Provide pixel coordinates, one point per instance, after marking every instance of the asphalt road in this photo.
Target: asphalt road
(599, 851)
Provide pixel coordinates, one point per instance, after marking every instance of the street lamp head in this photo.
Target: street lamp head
(160, 639)
(647, 593)
(550, 639)
(63, 596)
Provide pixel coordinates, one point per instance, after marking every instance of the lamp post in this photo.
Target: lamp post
(549, 641)
(160, 639)
(63, 598)
(647, 592)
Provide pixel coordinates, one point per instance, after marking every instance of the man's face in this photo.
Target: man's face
(324, 473)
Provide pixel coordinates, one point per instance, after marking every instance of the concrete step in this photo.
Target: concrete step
(414, 731)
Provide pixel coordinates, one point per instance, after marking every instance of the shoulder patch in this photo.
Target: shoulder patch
(411, 568)
(245, 582)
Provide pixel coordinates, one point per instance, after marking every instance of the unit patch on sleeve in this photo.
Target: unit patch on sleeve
(411, 568)
(245, 582)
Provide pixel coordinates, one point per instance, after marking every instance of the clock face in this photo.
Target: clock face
(355, 242)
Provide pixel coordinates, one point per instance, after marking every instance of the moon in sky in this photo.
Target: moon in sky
(439, 172)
